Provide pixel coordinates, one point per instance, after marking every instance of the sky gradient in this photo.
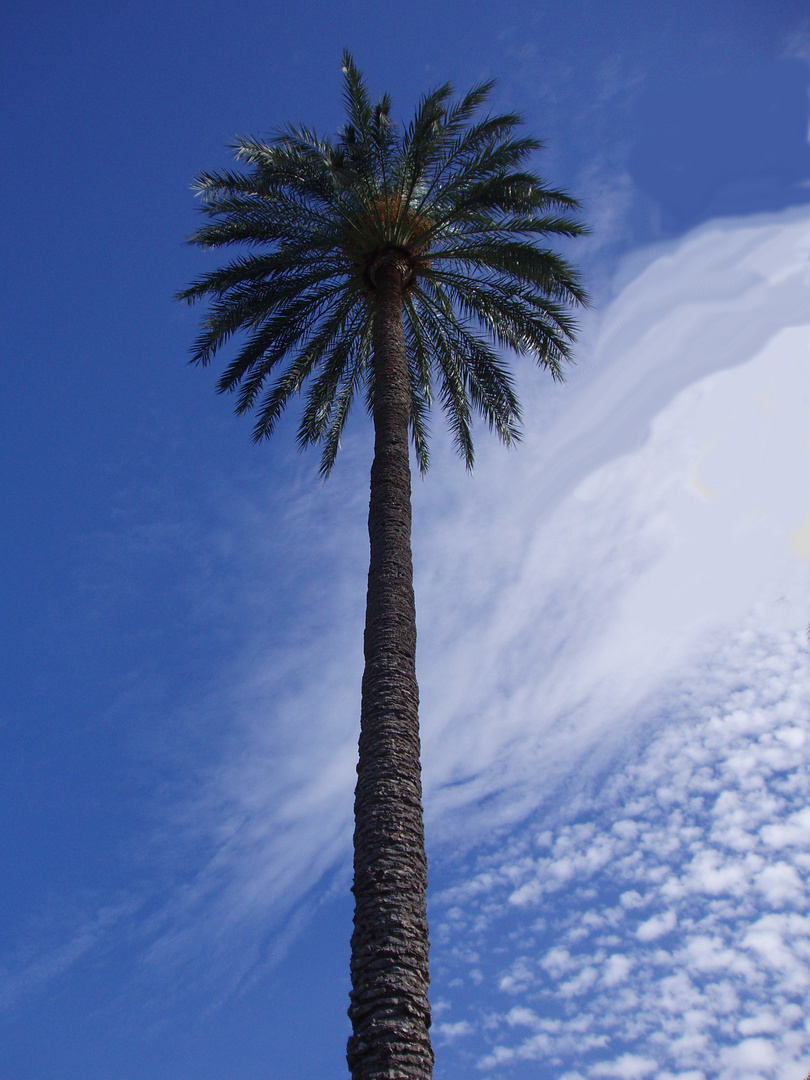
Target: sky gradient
(613, 654)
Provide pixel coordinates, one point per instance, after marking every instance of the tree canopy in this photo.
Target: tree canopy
(450, 195)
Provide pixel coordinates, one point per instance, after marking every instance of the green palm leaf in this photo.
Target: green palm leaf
(451, 193)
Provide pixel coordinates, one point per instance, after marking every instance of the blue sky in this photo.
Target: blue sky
(613, 659)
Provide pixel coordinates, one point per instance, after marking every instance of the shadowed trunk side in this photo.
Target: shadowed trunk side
(389, 1007)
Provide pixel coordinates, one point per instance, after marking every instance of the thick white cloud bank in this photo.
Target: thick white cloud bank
(651, 918)
(670, 494)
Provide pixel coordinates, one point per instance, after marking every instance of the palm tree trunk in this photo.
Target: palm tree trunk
(389, 1006)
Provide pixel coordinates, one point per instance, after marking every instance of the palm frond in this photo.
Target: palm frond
(454, 197)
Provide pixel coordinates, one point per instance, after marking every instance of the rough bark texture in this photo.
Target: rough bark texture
(389, 1006)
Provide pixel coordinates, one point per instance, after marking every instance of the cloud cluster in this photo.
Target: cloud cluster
(662, 925)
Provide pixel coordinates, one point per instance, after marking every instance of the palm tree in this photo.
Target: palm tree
(374, 262)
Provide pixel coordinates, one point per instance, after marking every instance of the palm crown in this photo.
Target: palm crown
(451, 200)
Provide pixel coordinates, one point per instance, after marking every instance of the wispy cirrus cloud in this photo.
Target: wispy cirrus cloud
(661, 497)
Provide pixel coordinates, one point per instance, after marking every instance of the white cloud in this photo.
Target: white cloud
(659, 681)
(751, 1055)
(640, 548)
(794, 830)
(451, 1032)
(709, 959)
(656, 926)
(644, 553)
(627, 1067)
(616, 969)
(764, 1023)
